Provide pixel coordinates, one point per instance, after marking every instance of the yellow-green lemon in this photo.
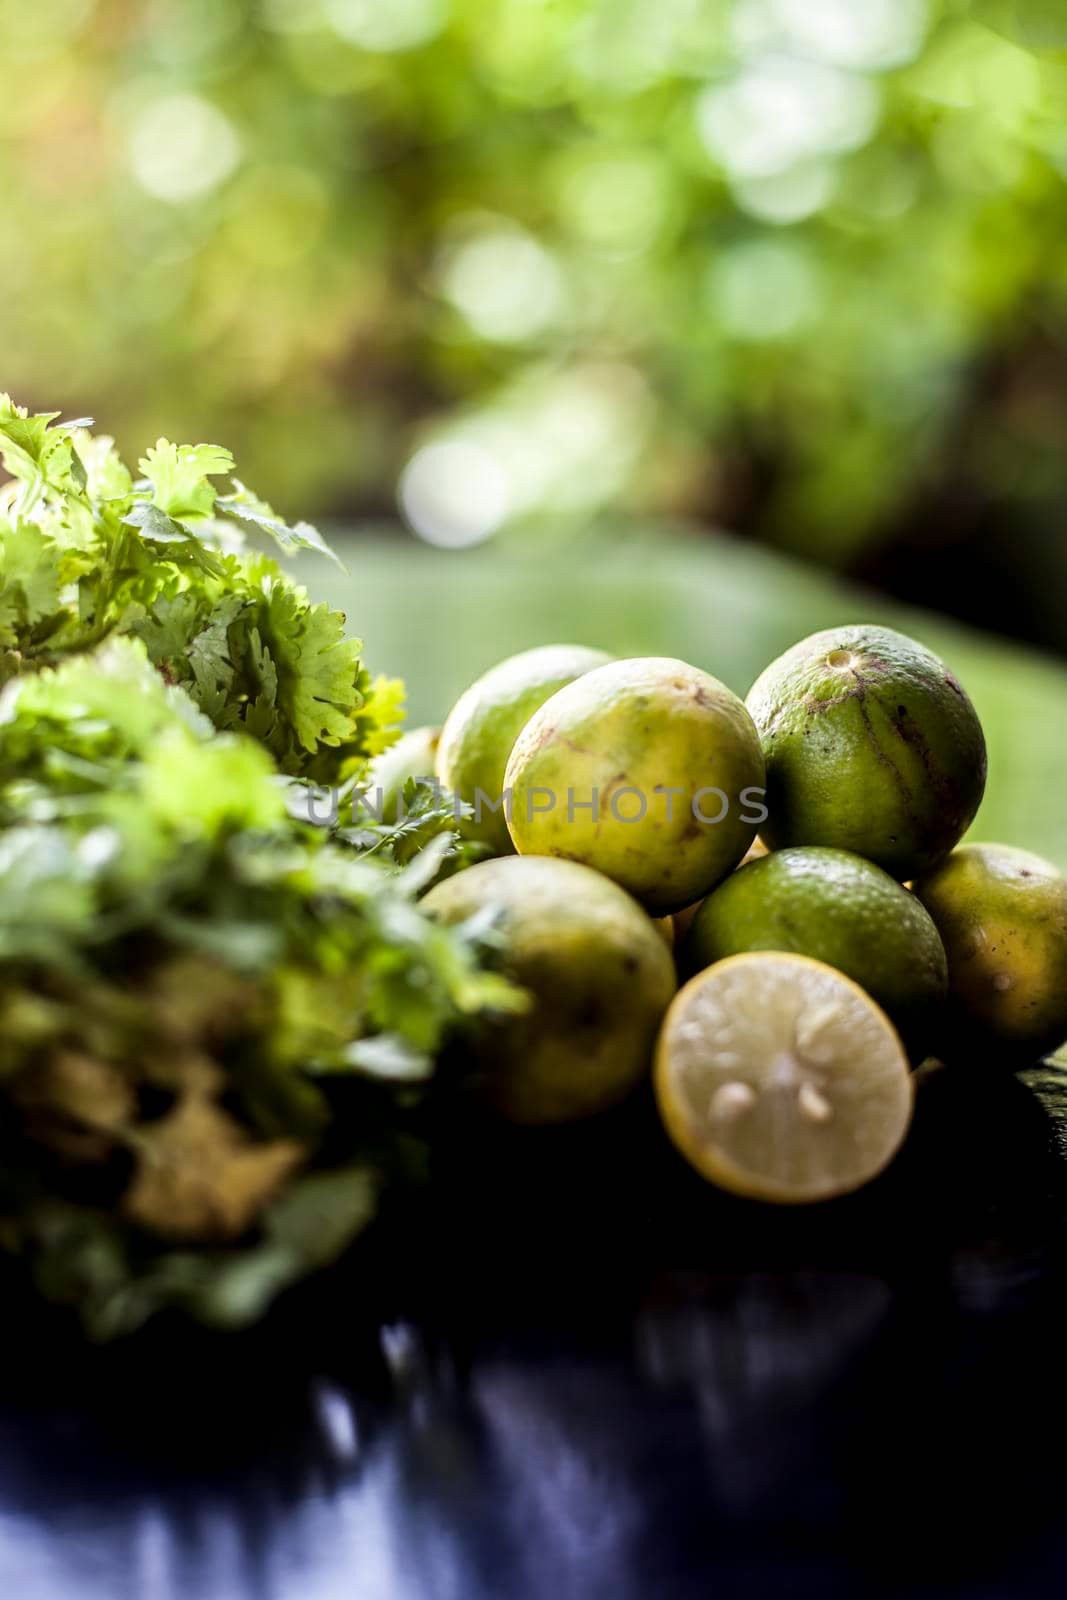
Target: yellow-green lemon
(482, 726)
(648, 770)
(1002, 916)
(598, 974)
(871, 745)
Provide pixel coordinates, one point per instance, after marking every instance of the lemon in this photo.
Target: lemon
(649, 770)
(1002, 915)
(779, 1079)
(598, 974)
(481, 728)
(838, 908)
(871, 746)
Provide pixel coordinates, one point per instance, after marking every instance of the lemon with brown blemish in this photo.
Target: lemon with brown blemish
(597, 975)
(648, 770)
(779, 1079)
(1002, 916)
(872, 745)
(481, 728)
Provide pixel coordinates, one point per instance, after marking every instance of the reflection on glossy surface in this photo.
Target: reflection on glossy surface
(630, 1389)
(757, 1355)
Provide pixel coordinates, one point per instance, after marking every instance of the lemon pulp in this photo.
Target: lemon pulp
(780, 1079)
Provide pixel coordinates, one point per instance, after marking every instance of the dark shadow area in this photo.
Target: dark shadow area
(569, 1368)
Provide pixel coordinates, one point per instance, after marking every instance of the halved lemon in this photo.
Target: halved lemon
(778, 1078)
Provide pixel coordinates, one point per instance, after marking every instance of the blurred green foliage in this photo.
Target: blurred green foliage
(793, 265)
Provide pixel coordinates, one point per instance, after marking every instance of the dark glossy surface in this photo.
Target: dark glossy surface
(580, 1373)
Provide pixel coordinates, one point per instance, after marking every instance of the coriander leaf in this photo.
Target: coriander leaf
(94, 555)
(106, 476)
(155, 524)
(169, 933)
(244, 506)
(305, 1229)
(199, 1176)
(223, 782)
(318, 667)
(179, 474)
(33, 451)
(23, 438)
(31, 571)
(382, 714)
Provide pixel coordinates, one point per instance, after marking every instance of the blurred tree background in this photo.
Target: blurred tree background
(526, 267)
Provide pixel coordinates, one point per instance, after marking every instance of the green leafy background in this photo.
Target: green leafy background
(793, 267)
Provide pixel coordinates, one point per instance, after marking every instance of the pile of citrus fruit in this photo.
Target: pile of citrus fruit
(794, 859)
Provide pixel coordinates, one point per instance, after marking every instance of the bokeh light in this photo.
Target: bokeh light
(503, 281)
(780, 110)
(765, 289)
(869, 35)
(780, 264)
(394, 25)
(181, 147)
(454, 493)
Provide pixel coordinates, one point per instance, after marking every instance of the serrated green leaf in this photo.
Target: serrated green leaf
(149, 560)
(179, 476)
(208, 654)
(155, 524)
(318, 667)
(381, 715)
(22, 437)
(31, 567)
(244, 506)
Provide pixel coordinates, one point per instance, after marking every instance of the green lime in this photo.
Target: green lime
(778, 1078)
(840, 909)
(483, 724)
(648, 770)
(598, 973)
(871, 746)
(1002, 916)
(413, 756)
